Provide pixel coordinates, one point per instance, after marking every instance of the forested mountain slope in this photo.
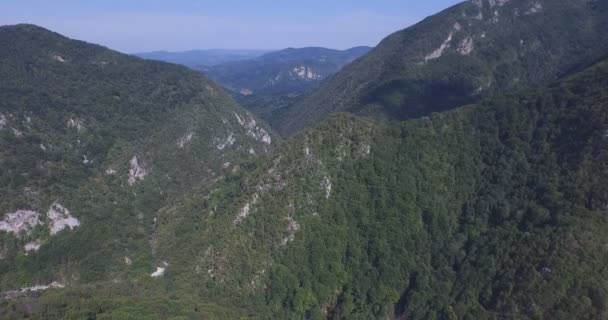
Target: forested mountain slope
(493, 210)
(92, 144)
(469, 51)
(136, 189)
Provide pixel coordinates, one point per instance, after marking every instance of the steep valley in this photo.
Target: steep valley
(135, 189)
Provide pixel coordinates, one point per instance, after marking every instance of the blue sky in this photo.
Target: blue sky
(146, 25)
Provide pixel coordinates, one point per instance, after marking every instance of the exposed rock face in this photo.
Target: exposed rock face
(536, 7)
(32, 246)
(306, 73)
(24, 221)
(136, 172)
(3, 121)
(326, 185)
(20, 221)
(445, 45)
(366, 149)
(221, 144)
(160, 271)
(14, 294)
(466, 46)
(75, 123)
(16, 132)
(253, 130)
(292, 227)
(41, 287)
(246, 92)
(181, 142)
(59, 58)
(60, 218)
(246, 210)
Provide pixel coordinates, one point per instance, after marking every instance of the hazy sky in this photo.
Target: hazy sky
(146, 25)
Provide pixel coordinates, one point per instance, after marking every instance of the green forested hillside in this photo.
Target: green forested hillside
(92, 144)
(461, 55)
(132, 189)
(489, 211)
(494, 210)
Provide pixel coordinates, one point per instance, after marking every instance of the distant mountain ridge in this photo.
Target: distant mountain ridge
(460, 55)
(286, 71)
(195, 58)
